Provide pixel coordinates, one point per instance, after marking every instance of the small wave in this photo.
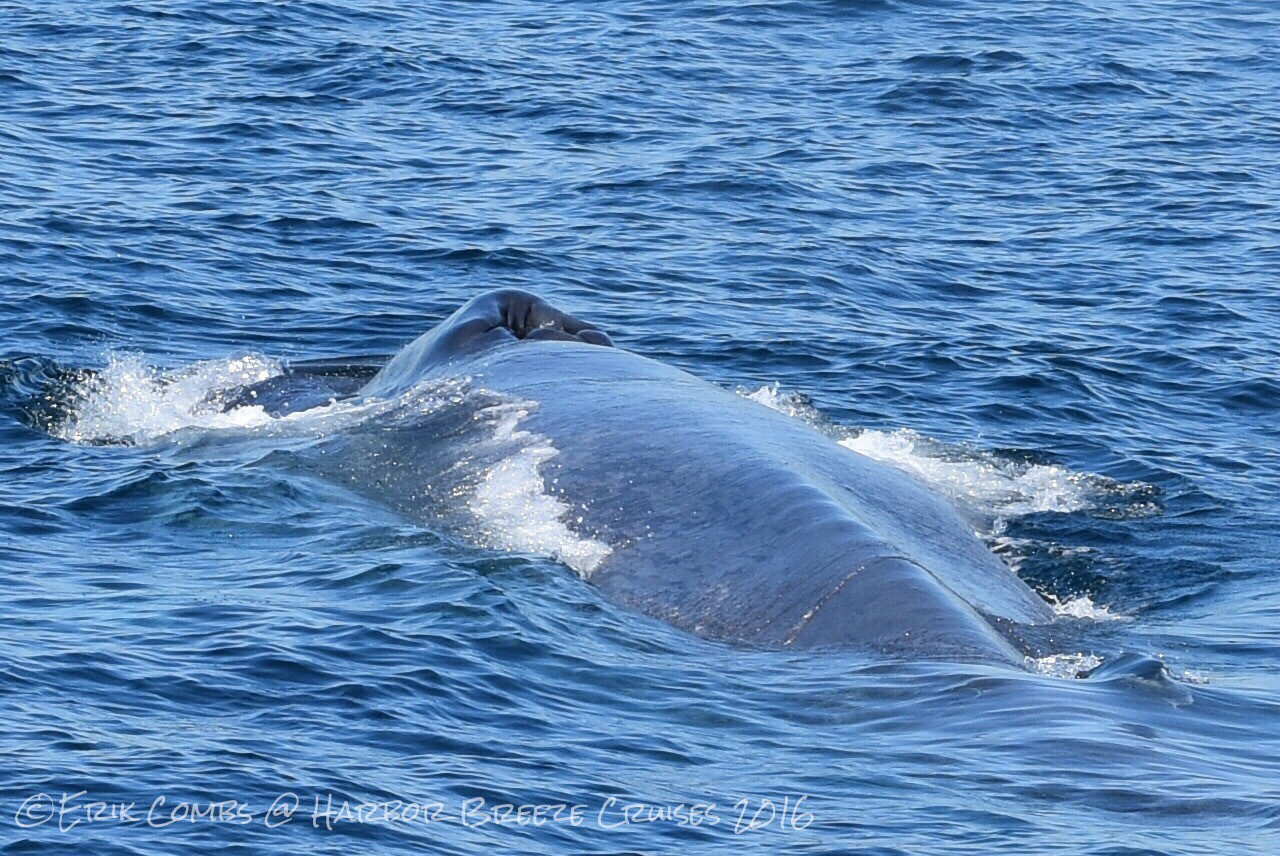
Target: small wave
(514, 508)
(130, 401)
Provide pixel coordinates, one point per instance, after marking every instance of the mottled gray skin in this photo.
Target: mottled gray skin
(726, 518)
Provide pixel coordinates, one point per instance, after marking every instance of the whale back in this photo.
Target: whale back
(736, 521)
(721, 516)
(714, 513)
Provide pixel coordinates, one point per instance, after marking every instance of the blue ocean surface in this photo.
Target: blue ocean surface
(1026, 251)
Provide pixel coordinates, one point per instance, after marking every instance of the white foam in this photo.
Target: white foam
(985, 482)
(1005, 487)
(1083, 607)
(514, 508)
(1064, 665)
(791, 403)
(131, 401)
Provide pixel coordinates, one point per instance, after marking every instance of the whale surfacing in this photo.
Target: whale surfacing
(721, 516)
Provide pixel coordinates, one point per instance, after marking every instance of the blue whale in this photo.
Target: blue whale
(716, 514)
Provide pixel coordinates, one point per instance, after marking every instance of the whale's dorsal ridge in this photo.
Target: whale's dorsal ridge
(489, 320)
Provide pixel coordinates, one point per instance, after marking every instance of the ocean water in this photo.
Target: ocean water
(1027, 251)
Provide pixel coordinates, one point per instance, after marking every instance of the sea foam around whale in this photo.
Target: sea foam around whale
(132, 401)
(976, 479)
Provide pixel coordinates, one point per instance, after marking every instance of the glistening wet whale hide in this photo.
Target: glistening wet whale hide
(712, 512)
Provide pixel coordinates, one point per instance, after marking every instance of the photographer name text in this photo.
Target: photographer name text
(70, 811)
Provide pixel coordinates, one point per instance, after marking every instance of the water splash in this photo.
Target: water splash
(1070, 666)
(982, 480)
(1083, 608)
(793, 404)
(130, 401)
(991, 484)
